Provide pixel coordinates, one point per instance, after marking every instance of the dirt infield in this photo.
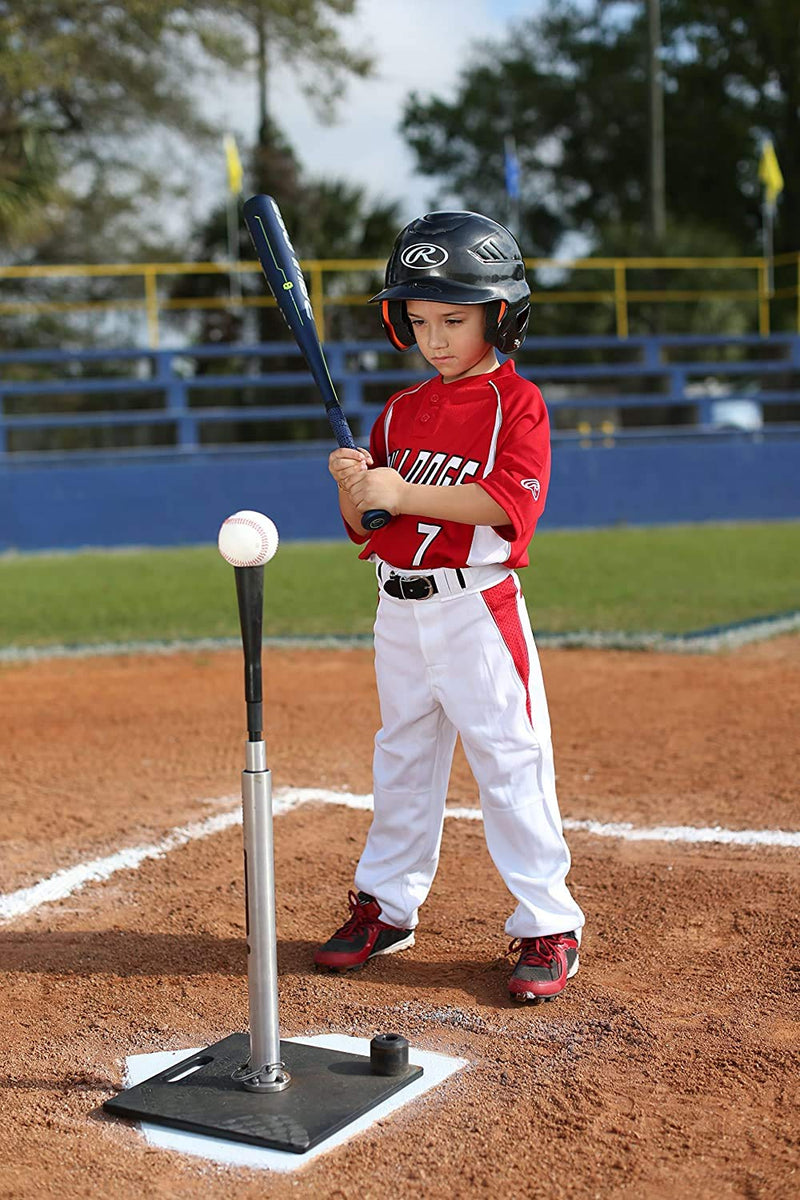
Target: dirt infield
(669, 1068)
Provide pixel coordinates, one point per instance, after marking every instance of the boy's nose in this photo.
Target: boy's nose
(438, 337)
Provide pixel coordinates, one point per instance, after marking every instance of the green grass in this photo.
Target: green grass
(670, 580)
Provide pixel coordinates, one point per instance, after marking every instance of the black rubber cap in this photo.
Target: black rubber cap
(388, 1054)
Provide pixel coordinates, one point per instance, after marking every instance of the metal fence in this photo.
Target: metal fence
(199, 399)
(156, 447)
(627, 283)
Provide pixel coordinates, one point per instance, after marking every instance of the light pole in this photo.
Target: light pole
(658, 204)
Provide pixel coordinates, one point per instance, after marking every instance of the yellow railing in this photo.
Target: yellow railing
(618, 294)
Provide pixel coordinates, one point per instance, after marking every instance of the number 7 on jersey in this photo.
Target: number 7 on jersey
(428, 532)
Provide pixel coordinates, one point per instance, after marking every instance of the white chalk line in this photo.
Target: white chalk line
(71, 879)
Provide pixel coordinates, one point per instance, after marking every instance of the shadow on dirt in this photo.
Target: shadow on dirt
(122, 953)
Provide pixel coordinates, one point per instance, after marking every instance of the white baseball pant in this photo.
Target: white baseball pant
(464, 662)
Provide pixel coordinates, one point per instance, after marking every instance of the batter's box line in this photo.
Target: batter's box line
(69, 880)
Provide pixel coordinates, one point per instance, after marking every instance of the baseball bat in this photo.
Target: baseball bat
(279, 263)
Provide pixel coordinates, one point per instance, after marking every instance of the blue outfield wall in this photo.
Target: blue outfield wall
(177, 498)
(664, 483)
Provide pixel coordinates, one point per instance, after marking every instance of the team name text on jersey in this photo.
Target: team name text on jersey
(438, 469)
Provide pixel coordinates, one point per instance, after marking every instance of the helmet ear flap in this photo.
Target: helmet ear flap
(493, 320)
(512, 327)
(507, 324)
(396, 324)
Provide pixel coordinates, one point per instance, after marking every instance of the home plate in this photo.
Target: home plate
(140, 1067)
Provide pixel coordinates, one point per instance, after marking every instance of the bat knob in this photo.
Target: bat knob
(376, 518)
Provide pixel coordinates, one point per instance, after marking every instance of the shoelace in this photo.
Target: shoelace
(536, 952)
(358, 919)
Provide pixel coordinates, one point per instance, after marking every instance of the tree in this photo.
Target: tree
(106, 91)
(99, 124)
(27, 181)
(571, 86)
(87, 78)
(300, 34)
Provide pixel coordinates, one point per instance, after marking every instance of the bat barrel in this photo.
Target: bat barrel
(281, 269)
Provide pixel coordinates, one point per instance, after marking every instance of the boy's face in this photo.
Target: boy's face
(452, 337)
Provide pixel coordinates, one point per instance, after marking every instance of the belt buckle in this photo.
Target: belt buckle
(415, 583)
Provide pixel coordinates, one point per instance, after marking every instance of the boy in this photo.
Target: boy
(462, 461)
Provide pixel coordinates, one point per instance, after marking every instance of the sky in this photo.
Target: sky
(418, 45)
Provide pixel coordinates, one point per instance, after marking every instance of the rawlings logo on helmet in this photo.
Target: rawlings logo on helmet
(424, 255)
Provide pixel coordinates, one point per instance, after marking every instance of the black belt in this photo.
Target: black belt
(414, 587)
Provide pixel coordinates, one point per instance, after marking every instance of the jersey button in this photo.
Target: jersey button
(425, 417)
(435, 398)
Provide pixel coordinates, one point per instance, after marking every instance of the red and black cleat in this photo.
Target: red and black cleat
(364, 935)
(544, 966)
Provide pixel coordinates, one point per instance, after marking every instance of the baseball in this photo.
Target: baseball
(247, 539)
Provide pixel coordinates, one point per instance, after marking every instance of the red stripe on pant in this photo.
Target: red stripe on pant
(501, 600)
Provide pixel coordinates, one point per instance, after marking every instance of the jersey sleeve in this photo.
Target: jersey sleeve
(520, 475)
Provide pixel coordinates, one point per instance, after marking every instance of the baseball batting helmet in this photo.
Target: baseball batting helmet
(457, 258)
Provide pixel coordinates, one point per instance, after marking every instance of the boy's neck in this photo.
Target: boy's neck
(484, 367)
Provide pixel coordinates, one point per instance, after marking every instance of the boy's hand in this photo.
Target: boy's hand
(348, 465)
(381, 488)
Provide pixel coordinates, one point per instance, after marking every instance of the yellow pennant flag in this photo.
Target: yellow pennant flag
(770, 173)
(234, 164)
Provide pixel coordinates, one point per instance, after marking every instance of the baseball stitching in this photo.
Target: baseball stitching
(253, 525)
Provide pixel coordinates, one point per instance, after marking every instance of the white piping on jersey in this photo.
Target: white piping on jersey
(498, 421)
(487, 546)
(410, 392)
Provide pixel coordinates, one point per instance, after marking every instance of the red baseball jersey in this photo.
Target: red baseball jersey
(489, 429)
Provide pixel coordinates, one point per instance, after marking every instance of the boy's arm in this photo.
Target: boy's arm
(352, 515)
(465, 503)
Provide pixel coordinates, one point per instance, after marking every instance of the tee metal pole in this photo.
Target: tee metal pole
(265, 1071)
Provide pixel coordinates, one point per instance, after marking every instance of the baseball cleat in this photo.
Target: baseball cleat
(544, 966)
(364, 935)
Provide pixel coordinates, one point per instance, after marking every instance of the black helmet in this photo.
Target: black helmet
(457, 258)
